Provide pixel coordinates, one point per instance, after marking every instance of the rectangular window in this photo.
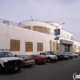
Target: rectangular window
(27, 27)
(78, 47)
(39, 46)
(41, 29)
(28, 46)
(55, 46)
(14, 45)
(75, 48)
(34, 28)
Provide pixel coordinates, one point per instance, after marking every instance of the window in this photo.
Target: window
(39, 46)
(34, 28)
(43, 54)
(14, 45)
(48, 31)
(55, 46)
(44, 29)
(6, 54)
(27, 27)
(28, 46)
(75, 48)
(48, 53)
(78, 47)
(41, 29)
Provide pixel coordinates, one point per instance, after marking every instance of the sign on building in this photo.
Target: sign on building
(57, 32)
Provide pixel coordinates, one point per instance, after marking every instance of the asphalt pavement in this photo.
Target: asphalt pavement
(61, 70)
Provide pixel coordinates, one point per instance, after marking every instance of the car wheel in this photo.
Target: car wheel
(30, 65)
(48, 60)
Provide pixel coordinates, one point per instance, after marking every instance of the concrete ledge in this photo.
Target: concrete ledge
(66, 42)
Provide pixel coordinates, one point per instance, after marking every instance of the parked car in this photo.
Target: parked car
(9, 62)
(57, 54)
(75, 55)
(78, 53)
(49, 56)
(60, 56)
(70, 55)
(39, 59)
(27, 60)
(65, 57)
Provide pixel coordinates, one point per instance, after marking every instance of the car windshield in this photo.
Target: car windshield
(64, 53)
(52, 53)
(36, 56)
(69, 53)
(48, 53)
(6, 54)
(24, 56)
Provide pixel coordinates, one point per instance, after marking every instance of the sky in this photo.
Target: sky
(60, 11)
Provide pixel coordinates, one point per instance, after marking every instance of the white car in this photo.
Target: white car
(9, 62)
(50, 57)
(75, 55)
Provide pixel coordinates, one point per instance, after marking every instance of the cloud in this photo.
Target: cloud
(60, 11)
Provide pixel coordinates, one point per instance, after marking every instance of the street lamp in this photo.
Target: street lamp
(59, 25)
(57, 32)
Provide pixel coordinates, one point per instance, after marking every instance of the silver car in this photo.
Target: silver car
(75, 55)
(27, 60)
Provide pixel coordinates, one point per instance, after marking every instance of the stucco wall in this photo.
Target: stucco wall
(65, 35)
(8, 32)
(43, 24)
(24, 35)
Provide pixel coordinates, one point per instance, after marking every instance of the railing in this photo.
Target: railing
(8, 22)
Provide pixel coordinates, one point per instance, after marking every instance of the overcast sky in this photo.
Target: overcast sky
(61, 11)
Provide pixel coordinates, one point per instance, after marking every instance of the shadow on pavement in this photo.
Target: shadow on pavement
(10, 72)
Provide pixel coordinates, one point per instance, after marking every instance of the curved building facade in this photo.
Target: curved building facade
(33, 37)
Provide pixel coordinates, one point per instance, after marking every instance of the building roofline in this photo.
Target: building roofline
(67, 30)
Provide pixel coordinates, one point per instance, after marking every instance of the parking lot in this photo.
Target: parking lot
(61, 70)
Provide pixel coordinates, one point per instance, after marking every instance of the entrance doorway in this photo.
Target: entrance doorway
(67, 48)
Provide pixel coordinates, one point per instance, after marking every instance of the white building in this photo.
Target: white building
(32, 37)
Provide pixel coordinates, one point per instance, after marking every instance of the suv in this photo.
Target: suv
(9, 62)
(49, 56)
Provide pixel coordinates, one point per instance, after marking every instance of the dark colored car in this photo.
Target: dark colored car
(65, 57)
(40, 59)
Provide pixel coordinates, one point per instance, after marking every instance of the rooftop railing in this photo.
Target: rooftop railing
(4, 21)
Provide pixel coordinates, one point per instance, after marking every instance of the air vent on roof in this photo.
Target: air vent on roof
(6, 22)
